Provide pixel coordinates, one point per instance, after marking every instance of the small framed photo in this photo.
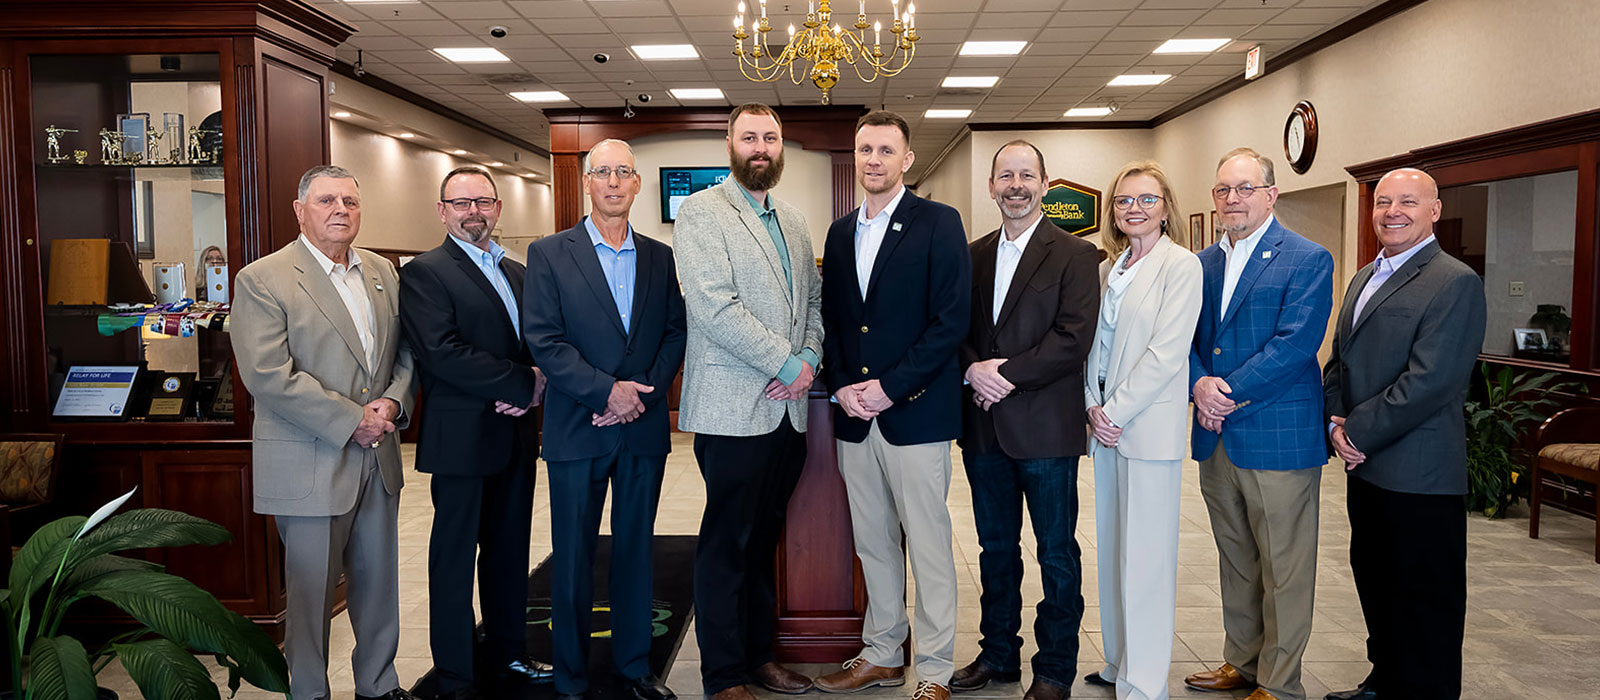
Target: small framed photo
(1213, 234)
(1197, 232)
(1530, 338)
(133, 128)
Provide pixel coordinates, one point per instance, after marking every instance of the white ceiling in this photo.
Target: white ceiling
(1075, 47)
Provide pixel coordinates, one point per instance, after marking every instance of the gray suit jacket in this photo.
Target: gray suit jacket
(300, 357)
(1399, 375)
(744, 321)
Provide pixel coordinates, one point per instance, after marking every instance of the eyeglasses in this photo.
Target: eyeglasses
(603, 172)
(465, 203)
(1145, 201)
(1244, 190)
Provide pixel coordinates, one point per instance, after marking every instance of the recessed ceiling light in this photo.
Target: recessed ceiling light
(970, 81)
(664, 52)
(947, 114)
(341, 115)
(1191, 45)
(993, 48)
(1139, 79)
(697, 93)
(408, 135)
(459, 152)
(496, 164)
(538, 96)
(473, 55)
(1088, 112)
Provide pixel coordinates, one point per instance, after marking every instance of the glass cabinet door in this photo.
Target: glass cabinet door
(135, 250)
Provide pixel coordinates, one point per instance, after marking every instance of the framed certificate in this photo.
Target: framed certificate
(93, 392)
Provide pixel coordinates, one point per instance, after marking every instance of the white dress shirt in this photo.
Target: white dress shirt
(1006, 259)
(1382, 269)
(1238, 256)
(869, 238)
(352, 288)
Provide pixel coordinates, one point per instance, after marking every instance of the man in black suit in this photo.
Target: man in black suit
(605, 320)
(1037, 293)
(459, 307)
(1403, 352)
(896, 296)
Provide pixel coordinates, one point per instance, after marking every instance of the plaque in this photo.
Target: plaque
(133, 128)
(96, 392)
(172, 396)
(222, 404)
(79, 271)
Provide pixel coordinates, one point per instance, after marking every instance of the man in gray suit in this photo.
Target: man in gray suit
(317, 336)
(1407, 339)
(753, 299)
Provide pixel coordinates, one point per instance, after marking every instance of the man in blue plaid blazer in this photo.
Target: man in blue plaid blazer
(1258, 431)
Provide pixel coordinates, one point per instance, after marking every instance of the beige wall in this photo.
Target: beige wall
(951, 183)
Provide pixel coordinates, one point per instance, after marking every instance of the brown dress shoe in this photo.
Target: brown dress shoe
(859, 675)
(737, 692)
(1261, 695)
(977, 674)
(779, 679)
(929, 690)
(1224, 678)
(1041, 689)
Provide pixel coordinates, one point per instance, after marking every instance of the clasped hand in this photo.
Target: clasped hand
(863, 400)
(1211, 404)
(538, 397)
(624, 405)
(1343, 447)
(377, 420)
(778, 391)
(988, 385)
(1104, 430)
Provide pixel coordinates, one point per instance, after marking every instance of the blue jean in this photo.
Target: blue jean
(999, 485)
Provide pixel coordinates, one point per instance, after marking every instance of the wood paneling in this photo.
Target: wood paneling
(295, 132)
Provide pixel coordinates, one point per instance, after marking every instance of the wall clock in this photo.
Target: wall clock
(1300, 137)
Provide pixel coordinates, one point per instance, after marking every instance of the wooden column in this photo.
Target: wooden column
(844, 182)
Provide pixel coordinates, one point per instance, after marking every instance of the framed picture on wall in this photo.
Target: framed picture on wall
(1197, 232)
(1213, 234)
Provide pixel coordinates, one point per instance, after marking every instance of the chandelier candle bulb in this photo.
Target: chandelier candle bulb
(877, 34)
(763, 9)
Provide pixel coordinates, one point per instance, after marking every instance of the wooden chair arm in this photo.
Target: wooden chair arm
(1579, 424)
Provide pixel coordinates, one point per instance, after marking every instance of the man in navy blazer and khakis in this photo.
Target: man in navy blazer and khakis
(896, 290)
(605, 320)
(1258, 428)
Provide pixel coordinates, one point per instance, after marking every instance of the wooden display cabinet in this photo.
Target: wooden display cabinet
(254, 74)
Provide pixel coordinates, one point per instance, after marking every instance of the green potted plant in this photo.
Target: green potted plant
(1496, 464)
(73, 558)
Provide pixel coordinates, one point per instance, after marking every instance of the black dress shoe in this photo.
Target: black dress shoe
(649, 688)
(524, 671)
(1097, 679)
(396, 694)
(977, 674)
(1364, 692)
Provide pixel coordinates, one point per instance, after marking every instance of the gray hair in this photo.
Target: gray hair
(315, 172)
(624, 144)
(1264, 162)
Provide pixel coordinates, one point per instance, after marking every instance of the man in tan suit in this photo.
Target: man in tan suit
(318, 342)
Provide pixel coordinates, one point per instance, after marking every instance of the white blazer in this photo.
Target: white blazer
(1147, 375)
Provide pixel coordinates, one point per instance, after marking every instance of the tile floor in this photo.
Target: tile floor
(1533, 620)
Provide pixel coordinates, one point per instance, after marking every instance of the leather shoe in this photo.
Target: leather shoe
(649, 688)
(1041, 689)
(860, 675)
(1226, 677)
(737, 692)
(1363, 692)
(977, 674)
(929, 690)
(524, 671)
(778, 679)
(1261, 694)
(1097, 679)
(396, 694)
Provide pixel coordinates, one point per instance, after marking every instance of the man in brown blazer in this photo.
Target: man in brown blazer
(1035, 294)
(317, 336)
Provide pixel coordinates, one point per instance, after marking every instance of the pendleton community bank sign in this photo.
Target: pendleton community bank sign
(1073, 207)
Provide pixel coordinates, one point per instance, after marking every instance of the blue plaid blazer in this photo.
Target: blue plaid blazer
(1265, 346)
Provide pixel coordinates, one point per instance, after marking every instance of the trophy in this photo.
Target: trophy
(172, 128)
(52, 141)
(80, 155)
(152, 145)
(197, 154)
(111, 146)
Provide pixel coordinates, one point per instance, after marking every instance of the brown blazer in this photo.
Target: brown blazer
(1045, 330)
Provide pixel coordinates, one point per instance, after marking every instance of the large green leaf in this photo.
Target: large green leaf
(59, 670)
(164, 671)
(147, 527)
(192, 618)
(102, 565)
(40, 557)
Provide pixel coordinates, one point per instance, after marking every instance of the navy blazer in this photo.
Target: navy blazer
(469, 356)
(1265, 346)
(906, 332)
(573, 331)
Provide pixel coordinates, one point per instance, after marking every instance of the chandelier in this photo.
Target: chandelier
(820, 49)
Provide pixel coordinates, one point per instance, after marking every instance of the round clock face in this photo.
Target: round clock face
(1300, 137)
(1296, 142)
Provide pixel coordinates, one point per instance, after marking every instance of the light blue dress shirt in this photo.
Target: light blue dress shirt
(1382, 269)
(621, 268)
(488, 262)
(769, 218)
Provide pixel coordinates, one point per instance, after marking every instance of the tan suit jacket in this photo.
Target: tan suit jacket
(1147, 376)
(300, 357)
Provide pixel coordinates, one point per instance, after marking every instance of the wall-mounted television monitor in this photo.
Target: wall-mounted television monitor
(678, 183)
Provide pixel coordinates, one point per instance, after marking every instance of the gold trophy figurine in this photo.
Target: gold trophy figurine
(52, 142)
(197, 155)
(79, 156)
(152, 145)
(111, 147)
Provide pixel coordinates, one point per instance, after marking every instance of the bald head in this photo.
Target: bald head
(1405, 204)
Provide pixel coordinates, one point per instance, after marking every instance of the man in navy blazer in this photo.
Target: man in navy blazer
(1258, 428)
(459, 307)
(605, 320)
(896, 297)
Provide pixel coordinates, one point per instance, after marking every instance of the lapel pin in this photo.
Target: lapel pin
(1266, 255)
(379, 287)
(897, 226)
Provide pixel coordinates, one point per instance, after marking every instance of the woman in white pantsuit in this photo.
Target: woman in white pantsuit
(1138, 398)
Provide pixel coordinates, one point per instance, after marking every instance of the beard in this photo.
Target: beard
(755, 179)
(476, 227)
(1014, 215)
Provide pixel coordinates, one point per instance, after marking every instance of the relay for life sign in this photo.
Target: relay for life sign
(1073, 207)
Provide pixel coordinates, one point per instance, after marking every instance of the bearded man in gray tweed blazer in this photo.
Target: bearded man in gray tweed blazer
(753, 299)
